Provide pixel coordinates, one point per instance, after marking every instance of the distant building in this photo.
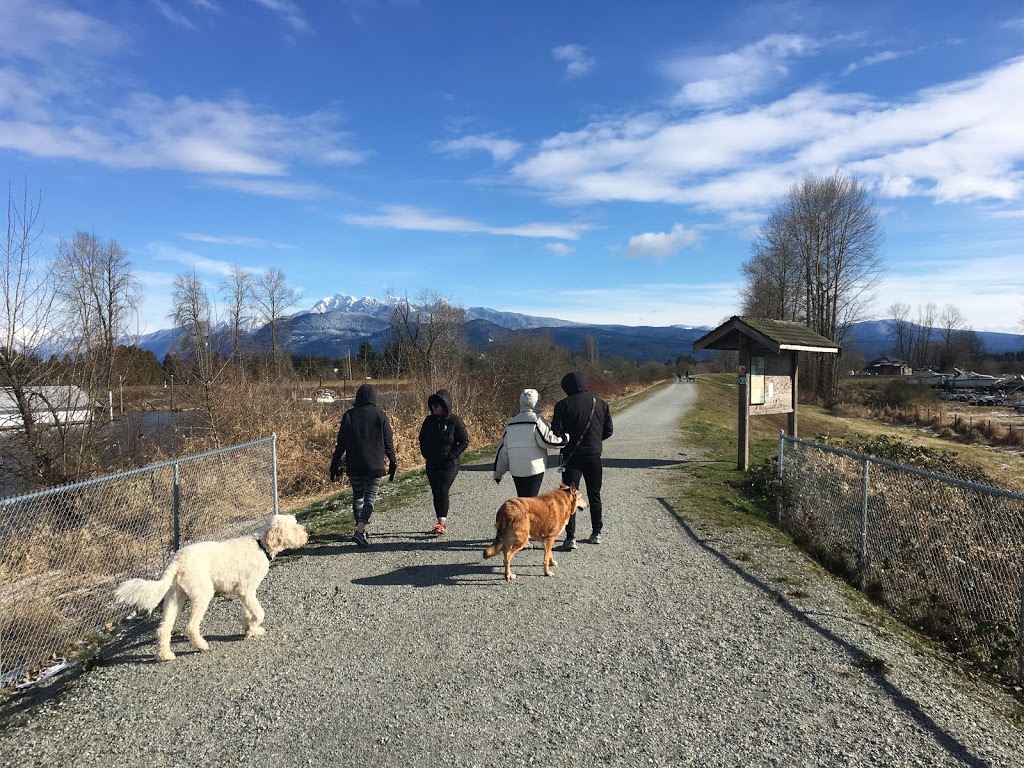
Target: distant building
(888, 366)
(50, 405)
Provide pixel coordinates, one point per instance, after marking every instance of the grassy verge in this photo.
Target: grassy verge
(716, 498)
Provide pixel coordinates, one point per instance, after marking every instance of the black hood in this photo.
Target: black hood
(442, 397)
(366, 395)
(574, 382)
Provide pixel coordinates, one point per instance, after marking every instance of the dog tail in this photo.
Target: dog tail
(146, 593)
(501, 522)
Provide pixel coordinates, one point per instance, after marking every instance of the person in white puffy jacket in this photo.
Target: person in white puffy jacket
(524, 446)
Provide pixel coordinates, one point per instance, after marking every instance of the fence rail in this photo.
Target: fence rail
(63, 550)
(945, 554)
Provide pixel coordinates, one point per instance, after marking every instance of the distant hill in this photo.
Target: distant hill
(339, 324)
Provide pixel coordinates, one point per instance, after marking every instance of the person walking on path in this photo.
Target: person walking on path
(365, 439)
(443, 438)
(524, 446)
(585, 421)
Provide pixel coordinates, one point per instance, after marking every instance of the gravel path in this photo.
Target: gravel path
(666, 646)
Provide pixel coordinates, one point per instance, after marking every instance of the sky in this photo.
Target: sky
(586, 160)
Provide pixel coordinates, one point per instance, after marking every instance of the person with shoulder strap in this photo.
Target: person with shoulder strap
(524, 446)
(587, 421)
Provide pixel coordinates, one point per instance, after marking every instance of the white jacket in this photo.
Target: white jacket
(525, 443)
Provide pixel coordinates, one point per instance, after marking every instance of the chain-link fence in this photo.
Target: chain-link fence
(64, 550)
(946, 555)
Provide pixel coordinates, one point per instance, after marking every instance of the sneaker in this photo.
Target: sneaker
(595, 538)
(438, 529)
(568, 545)
(360, 539)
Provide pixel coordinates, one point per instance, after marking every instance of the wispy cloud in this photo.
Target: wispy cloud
(43, 30)
(172, 15)
(661, 245)
(500, 149)
(959, 142)
(413, 218)
(876, 58)
(560, 248)
(577, 61)
(1016, 24)
(231, 137)
(289, 11)
(289, 190)
(711, 81)
(240, 240)
(201, 264)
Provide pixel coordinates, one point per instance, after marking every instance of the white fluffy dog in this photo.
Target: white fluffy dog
(202, 569)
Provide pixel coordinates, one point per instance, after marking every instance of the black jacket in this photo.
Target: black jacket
(573, 418)
(365, 438)
(442, 438)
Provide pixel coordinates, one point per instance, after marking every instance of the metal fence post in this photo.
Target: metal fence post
(177, 509)
(778, 491)
(273, 452)
(864, 526)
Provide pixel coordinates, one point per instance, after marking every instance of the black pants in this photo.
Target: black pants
(441, 479)
(589, 468)
(528, 486)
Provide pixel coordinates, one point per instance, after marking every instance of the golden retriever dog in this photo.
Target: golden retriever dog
(198, 571)
(540, 517)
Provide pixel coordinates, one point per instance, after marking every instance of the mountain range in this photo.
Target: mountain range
(338, 325)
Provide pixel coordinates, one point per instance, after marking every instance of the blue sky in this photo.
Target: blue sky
(583, 159)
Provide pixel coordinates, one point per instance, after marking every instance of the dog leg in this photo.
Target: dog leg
(200, 601)
(549, 559)
(509, 576)
(172, 604)
(253, 615)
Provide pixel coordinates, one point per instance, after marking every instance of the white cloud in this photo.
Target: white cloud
(560, 248)
(413, 218)
(711, 81)
(231, 137)
(289, 11)
(241, 240)
(43, 29)
(201, 264)
(577, 61)
(959, 142)
(500, 149)
(877, 58)
(661, 245)
(172, 15)
(290, 190)
(1016, 24)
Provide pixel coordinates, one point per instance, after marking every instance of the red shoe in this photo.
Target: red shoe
(438, 529)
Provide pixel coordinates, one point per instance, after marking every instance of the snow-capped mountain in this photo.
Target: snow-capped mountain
(341, 302)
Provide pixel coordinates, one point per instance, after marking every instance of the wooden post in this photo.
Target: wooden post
(791, 421)
(743, 376)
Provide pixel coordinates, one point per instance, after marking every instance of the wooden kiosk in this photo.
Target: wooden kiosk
(768, 373)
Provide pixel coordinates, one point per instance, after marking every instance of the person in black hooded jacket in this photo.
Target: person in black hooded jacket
(586, 419)
(443, 438)
(365, 439)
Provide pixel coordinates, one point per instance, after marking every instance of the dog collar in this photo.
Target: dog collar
(259, 542)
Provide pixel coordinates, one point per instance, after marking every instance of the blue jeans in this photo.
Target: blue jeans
(364, 496)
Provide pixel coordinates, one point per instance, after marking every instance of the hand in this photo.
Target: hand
(392, 469)
(335, 476)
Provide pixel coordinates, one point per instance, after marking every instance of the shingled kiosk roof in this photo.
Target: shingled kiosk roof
(773, 335)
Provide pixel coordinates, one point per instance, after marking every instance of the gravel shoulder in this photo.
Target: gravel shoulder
(670, 644)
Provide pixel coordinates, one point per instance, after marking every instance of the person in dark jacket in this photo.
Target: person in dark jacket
(365, 439)
(443, 438)
(588, 421)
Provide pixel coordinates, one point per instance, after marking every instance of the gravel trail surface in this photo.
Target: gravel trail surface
(667, 645)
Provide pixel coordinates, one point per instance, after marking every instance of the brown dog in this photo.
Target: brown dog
(540, 517)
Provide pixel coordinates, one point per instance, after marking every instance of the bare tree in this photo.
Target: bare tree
(237, 290)
(830, 227)
(100, 295)
(272, 298)
(31, 344)
(899, 328)
(432, 335)
(951, 322)
(773, 286)
(192, 313)
(923, 334)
